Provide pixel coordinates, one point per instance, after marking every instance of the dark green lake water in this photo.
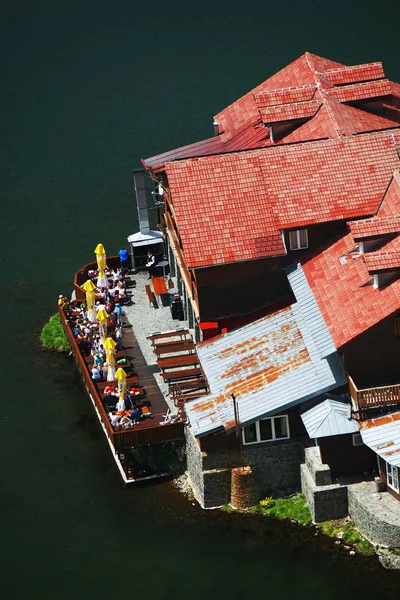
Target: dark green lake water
(87, 88)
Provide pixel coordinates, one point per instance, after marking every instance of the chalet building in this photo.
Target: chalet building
(283, 232)
(310, 148)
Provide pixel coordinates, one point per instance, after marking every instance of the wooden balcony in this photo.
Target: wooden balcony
(376, 397)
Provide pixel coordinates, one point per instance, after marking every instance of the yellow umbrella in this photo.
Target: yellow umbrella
(109, 345)
(89, 288)
(102, 317)
(100, 253)
(121, 376)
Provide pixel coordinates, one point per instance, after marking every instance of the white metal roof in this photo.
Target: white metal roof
(307, 306)
(382, 435)
(270, 365)
(145, 239)
(328, 417)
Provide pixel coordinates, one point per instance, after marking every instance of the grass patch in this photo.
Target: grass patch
(348, 534)
(53, 336)
(293, 507)
(227, 508)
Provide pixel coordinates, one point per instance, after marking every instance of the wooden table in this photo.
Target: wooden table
(159, 286)
(178, 361)
(184, 346)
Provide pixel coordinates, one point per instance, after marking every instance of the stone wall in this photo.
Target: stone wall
(325, 500)
(375, 514)
(276, 469)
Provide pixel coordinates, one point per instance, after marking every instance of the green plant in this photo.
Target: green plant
(348, 534)
(293, 507)
(267, 502)
(53, 336)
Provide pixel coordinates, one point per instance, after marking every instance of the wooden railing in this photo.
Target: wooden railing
(127, 438)
(374, 397)
(81, 276)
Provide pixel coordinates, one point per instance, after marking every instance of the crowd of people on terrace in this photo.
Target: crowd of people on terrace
(123, 412)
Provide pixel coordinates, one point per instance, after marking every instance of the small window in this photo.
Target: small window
(357, 439)
(392, 474)
(298, 239)
(267, 430)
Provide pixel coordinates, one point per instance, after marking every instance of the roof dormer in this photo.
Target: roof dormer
(373, 233)
(384, 266)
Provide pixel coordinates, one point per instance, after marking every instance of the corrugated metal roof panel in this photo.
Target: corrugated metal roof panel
(307, 307)
(269, 365)
(382, 435)
(329, 417)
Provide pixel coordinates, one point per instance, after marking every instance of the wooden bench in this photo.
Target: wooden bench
(150, 295)
(170, 349)
(182, 374)
(182, 398)
(182, 360)
(168, 334)
(172, 343)
(195, 384)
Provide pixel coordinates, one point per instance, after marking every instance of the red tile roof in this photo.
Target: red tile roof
(369, 228)
(244, 111)
(354, 74)
(255, 136)
(309, 78)
(285, 96)
(289, 112)
(342, 286)
(361, 91)
(232, 207)
(390, 206)
(378, 262)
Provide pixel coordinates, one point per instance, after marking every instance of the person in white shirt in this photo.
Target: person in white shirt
(96, 373)
(120, 405)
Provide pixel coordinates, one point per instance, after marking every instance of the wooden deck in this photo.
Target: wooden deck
(147, 431)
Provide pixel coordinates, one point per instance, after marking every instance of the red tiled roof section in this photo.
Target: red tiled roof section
(377, 262)
(356, 73)
(285, 96)
(244, 111)
(221, 210)
(232, 207)
(361, 91)
(369, 228)
(321, 126)
(390, 206)
(349, 120)
(328, 180)
(289, 112)
(343, 289)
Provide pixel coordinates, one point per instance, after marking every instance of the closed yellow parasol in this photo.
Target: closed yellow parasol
(109, 345)
(89, 288)
(102, 317)
(100, 253)
(121, 376)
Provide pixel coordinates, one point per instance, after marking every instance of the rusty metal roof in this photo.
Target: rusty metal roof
(329, 416)
(382, 435)
(270, 365)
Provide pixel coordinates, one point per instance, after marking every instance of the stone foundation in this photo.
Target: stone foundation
(275, 468)
(375, 514)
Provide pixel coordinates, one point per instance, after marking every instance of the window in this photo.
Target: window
(298, 239)
(392, 477)
(266, 430)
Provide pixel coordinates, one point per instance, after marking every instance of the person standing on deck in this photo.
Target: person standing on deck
(124, 259)
(151, 261)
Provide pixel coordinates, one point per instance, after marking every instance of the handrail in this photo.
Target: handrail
(373, 397)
